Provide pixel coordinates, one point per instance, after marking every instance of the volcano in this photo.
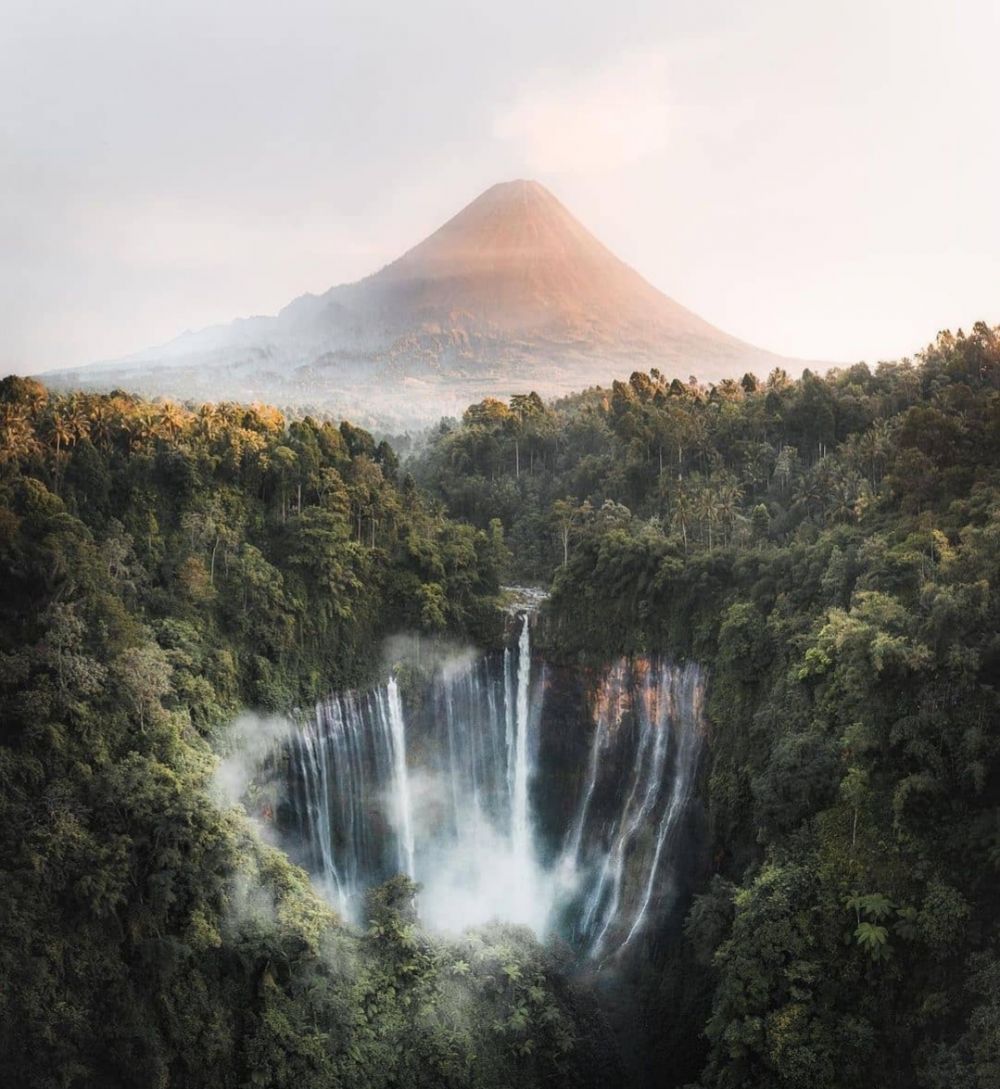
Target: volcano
(512, 294)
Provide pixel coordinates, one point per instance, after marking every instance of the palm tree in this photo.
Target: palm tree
(706, 507)
(77, 419)
(101, 421)
(172, 419)
(845, 494)
(811, 490)
(728, 496)
(62, 435)
(17, 436)
(785, 465)
(209, 421)
(62, 432)
(874, 446)
(146, 426)
(682, 510)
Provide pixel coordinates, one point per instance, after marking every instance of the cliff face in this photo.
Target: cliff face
(562, 799)
(511, 294)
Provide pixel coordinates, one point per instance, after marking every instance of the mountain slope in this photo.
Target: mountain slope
(511, 294)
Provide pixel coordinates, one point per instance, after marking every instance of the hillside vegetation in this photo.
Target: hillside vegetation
(162, 569)
(830, 549)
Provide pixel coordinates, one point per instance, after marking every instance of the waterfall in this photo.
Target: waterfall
(520, 819)
(400, 779)
(345, 761)
(647, 779)
(571, 852)
(448, 785)
(680, 791)
(664, 705)
(468, 746)
(316, 822)
(509, 723)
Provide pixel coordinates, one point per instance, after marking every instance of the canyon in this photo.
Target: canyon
(508, 788)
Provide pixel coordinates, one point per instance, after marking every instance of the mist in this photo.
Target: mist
(437, 773)
(245, 748)
(478, 876)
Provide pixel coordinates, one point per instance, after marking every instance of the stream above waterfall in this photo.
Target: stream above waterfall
(509, 789)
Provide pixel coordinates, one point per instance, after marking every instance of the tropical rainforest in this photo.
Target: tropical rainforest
(827, 547)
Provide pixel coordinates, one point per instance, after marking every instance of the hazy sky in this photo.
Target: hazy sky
(820, 179)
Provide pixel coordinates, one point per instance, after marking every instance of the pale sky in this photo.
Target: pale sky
(822, 180)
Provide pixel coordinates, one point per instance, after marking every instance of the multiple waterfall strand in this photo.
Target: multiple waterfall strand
(450, 797)
(481, 744)
(362, 813)
(682, 784)
(662, 704)
(477, 764)
(342, 762)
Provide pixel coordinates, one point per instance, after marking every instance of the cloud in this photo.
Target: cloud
(600, 120)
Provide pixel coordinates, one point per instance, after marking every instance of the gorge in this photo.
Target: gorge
(508, 788)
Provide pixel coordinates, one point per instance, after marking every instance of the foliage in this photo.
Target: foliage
(164, 566)
(830, 548)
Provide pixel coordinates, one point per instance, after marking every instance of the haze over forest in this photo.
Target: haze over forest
(564, 652)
